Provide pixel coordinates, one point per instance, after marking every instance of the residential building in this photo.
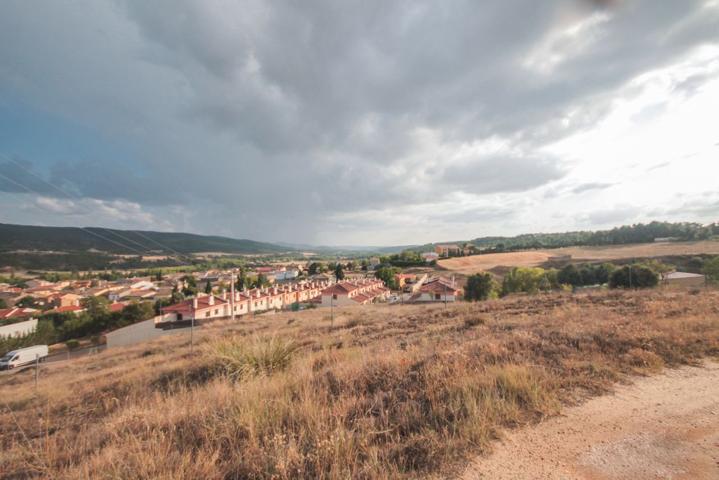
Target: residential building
(447, 250)
(359, 292)
(65, 299)
(205, 308)
(212, 307)
(404, 279)
(430, 256)
(14, 314)
(437, 289)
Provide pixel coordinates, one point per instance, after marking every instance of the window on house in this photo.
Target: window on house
(437, 296)
(334, 296)
(207, 314)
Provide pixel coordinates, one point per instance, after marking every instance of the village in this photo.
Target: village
(169, 302)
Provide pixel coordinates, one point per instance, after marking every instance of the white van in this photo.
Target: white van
(23, 356)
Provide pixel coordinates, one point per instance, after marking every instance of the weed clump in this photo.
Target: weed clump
(240, 358)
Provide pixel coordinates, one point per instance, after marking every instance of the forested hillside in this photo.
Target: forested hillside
(73, 239)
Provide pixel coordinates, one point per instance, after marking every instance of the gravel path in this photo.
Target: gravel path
(660, 427)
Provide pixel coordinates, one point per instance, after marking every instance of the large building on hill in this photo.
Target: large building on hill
(359, 292)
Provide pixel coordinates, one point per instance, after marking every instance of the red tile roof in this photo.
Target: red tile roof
(439, 285)
(16, 312)
(186, 305)
(116, 307)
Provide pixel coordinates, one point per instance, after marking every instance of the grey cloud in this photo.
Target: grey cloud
(265, 118)
(503, 174)
(20, 177)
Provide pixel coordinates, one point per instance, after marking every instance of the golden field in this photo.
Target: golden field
(533, 258)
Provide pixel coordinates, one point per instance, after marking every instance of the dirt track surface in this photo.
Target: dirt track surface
(660, 427)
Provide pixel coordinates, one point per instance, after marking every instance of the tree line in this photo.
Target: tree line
(483, 286)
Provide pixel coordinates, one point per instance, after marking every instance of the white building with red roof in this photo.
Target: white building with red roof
(15, 314)
(207, 307)
(359, 292)
(212, 307)
(437, 289)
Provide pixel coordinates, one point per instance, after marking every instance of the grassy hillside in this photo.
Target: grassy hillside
(72, 239)
(383, 392)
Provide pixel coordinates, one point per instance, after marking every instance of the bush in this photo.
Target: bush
(529, 280)
(586, 274)
(72, 344)
(480, 286)
(261, 357)
(634, 276)
(711, 269)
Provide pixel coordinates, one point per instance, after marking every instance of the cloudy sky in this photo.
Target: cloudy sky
(368, 122)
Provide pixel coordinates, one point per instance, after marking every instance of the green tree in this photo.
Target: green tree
(711, 269)
(208, 287)
(634, 276)
(3, 304)
(314, 268)
(137, 312)
(241, 281)
(480, 286)
(529, 280)
(95, 306)
(176, 296)
(27, 302)
(261, 281)
(190, 286)
(569, 275)
(339, 272)
(388, 274)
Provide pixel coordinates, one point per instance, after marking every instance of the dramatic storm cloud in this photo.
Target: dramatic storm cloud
(368, 122)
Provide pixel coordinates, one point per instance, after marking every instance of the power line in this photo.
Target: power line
(81, 228)
(149, 250)
(68, 195)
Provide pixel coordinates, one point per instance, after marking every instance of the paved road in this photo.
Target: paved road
(60, 357)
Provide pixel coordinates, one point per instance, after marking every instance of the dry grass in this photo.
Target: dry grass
(389, 392)
(533, 258)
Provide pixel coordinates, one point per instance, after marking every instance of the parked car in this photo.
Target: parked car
(23, 356)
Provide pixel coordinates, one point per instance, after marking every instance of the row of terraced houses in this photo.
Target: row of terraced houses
(211, 307)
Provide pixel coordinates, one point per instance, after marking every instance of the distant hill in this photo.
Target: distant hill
(74, 239)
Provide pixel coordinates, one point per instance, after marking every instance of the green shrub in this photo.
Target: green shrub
(480, 286)
(72, 344)
(634, 276)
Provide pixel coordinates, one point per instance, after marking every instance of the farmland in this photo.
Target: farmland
(375, 392)
(533, 258)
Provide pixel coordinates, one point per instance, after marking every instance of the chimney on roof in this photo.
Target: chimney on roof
(224, 294)
(211, 299)
(194, 303)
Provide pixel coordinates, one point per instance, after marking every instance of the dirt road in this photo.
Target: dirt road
(661, 427)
